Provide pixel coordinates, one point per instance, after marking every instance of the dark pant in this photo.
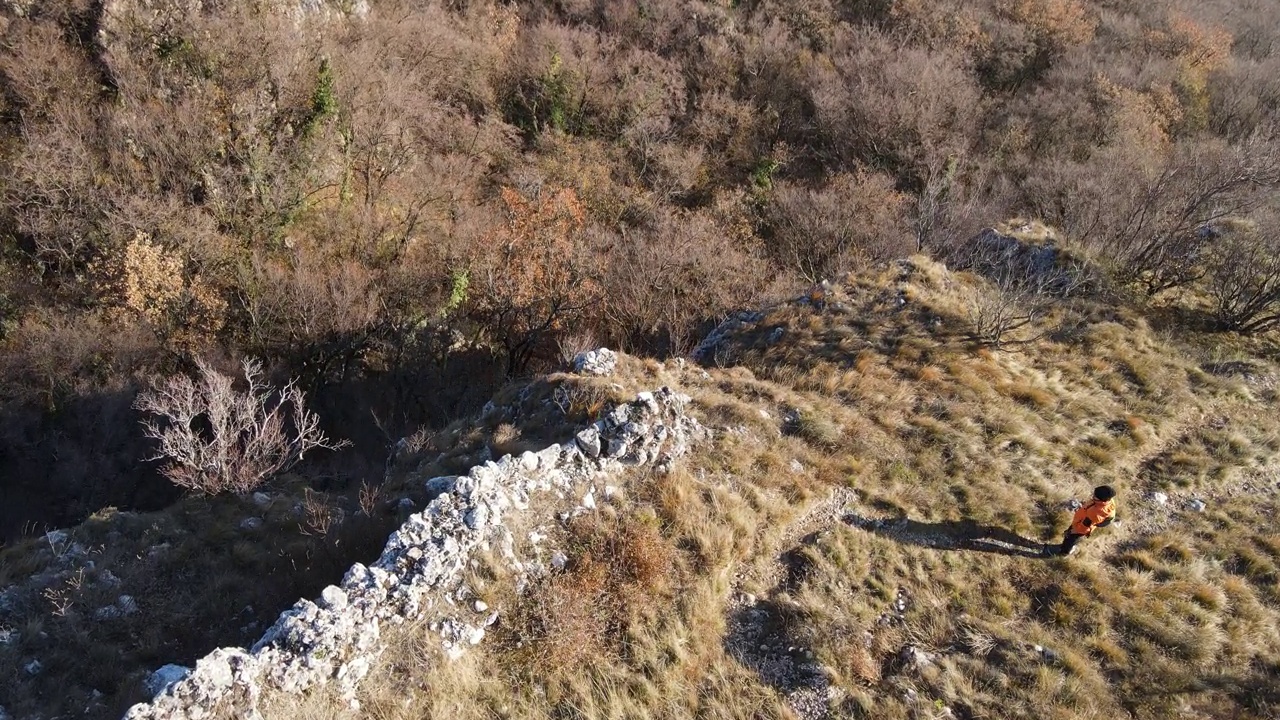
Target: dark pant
(1069, 541)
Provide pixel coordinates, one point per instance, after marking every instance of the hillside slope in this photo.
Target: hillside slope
(861, 539)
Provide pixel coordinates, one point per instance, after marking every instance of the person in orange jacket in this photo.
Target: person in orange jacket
(1098, 512)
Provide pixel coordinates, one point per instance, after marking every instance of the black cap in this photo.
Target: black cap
(1104, 492)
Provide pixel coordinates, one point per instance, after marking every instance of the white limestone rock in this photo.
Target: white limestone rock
(601, 362)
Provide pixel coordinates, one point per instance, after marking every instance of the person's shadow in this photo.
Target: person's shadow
(954, 535)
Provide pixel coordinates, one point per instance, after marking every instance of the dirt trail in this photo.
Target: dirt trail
(759, 631)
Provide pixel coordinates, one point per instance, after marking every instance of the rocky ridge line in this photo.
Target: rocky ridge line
(419, 575)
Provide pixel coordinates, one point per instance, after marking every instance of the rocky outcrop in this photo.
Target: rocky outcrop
(337, 638)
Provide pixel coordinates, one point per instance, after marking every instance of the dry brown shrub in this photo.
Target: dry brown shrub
(1056, 24)
(940, 25)
(1244, 276)
(310, 308)
(662, 287)
(578, 81)
(893, 105)
(152, 284)
(853, 220)
(1198, 51)
(1148, 217)
(617, 569)
(533, 277)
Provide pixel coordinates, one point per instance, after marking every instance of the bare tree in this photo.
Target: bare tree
(220, 439)
(1027, 282)
(1244, 279)
(1150, 223)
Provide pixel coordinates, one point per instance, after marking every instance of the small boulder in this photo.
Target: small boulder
(440, 485)
(333, 598)
(57, 539)
(559, 560)
(261, 499)
(1198, 505)
(251, 523)
(127, 605)
(107, 612)
(589, 442)
(601, 362)
(528, 461)
(481, 606)
(165, 678)
(1159, 498)
(913, 657)
(589, 501)
(34, 667)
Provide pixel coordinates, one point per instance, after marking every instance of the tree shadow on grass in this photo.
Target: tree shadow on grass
(953, 535)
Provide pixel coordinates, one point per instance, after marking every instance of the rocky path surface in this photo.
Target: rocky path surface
(758, 632)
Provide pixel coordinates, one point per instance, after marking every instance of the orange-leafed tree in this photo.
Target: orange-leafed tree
(534, 276)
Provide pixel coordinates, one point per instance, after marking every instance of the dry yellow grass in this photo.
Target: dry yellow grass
(956, 462)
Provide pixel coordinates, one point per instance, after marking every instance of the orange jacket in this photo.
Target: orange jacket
(1093, 514)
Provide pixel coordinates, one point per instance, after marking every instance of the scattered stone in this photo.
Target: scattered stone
(589, 501)
(251, 523)
(601, 362)
(1159, 498)
(1198, 505)
(108, 578)
(913, 657)
(1047, 654)
(796, 466)
(776, 336)
(33, 668)
(261, 499)
(609, 492)
(404, 505)
(4, 714)
(481, 606)
(9, 636)
(158, 551)
(559, 560)
(127, 605)
(165, 677)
